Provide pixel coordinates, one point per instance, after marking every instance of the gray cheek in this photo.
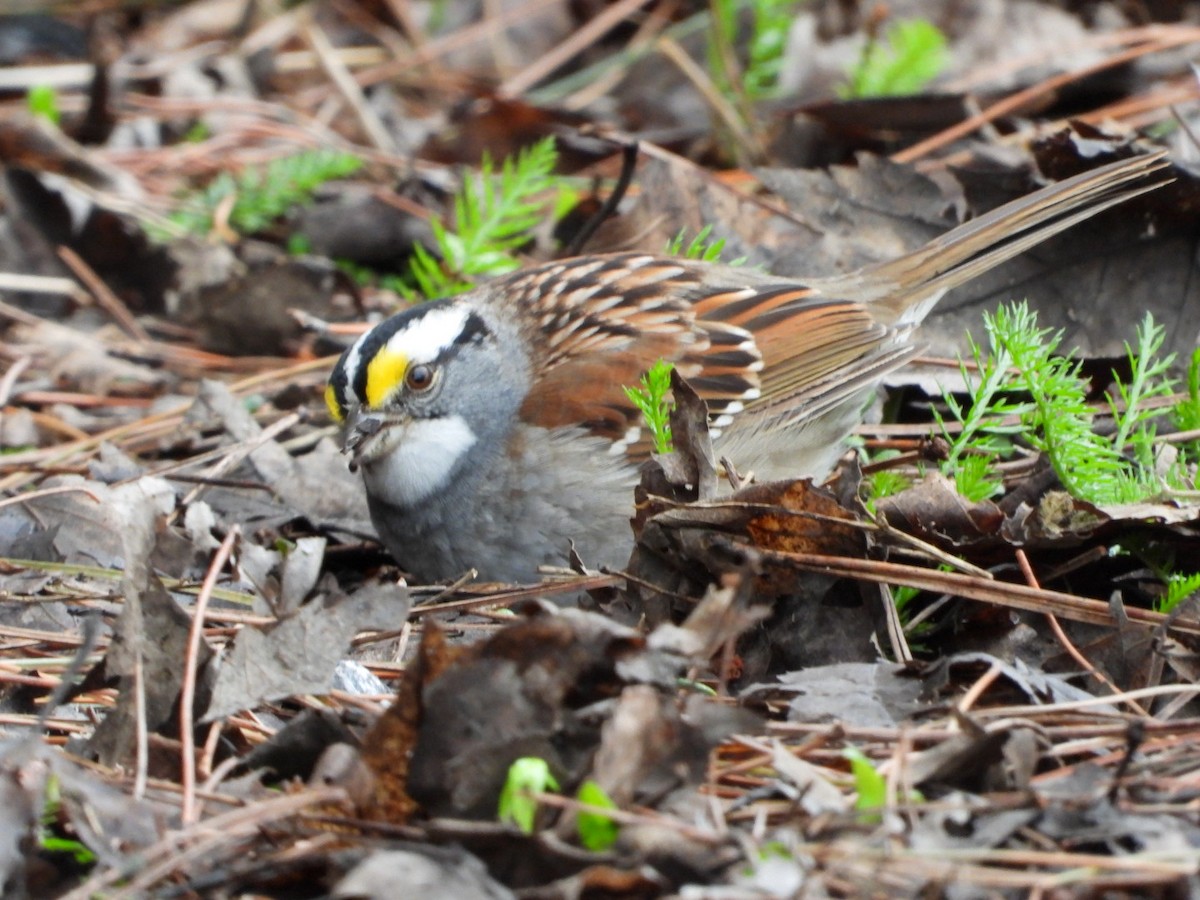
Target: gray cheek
(489, 400)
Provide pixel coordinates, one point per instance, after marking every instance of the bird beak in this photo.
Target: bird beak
(360, 432)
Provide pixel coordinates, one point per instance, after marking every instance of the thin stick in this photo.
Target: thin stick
(43, 284)
(141, 732)
(1066, 643)
(109, 302)
(746, 141)
(374, 129)
(187, 692)
(582, 38)
(1014, 102)
(1015, 596)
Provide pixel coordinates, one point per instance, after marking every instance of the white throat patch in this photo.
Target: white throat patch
(420, 463)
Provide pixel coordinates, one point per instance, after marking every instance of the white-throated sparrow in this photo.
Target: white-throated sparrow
(492, 427)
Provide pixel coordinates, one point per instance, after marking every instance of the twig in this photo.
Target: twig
(238, 453)
(141, 732)
(1016, 101)
(976, 690)
(43, 284)
(1061, 636)
(8, 382)
(582, 38)
(375, 131)
(168, 854)
(599, 79)
(436, 48)
(50, 492)
(187, 691)
(155, 424)
(1015, 596)
(895, 628)
(688, 67)
(108, 301)
(1162, 690)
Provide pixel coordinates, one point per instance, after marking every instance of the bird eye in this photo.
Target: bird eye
(419, 377)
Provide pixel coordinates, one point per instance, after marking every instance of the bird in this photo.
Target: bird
(492, 429)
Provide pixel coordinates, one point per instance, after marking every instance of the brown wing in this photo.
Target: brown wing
(744, 341)
(803, 337)
(604, 321)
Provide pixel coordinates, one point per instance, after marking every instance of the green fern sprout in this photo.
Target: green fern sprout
(48, 841)
(911, 54)
(493, 216)
(869, 785)
(885, 483)
(1185, 415)
(976, 478)
(982, 437)
(263, 194)
(1136, 424)
(42, 101)
(1179, 588)
(198, 132)
(700, 246)
(1022, 377)
(1060, 422)
(882, 482)
(651, 397)
(597, 830)
(903, 596)
(722, 34)
(768, 39)
(1186, 412)
(769, 24)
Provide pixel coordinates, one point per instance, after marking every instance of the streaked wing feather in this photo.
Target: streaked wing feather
(605, 320)
(811, 401)
(814, 349)
(608, 320)
(748, 344)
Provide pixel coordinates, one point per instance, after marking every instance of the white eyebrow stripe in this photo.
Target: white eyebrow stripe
(425, 339)
(353, 361)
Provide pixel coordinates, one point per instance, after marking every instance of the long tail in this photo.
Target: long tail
(984, 242)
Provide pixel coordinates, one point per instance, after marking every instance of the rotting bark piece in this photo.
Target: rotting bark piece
(388, 746)
(802, 518)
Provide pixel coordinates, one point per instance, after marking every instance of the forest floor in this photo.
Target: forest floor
(961, 667)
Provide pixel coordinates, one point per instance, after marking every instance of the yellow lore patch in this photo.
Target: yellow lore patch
(384, 373)
(331, 402)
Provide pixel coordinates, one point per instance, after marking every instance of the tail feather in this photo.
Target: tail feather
(987, 241)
